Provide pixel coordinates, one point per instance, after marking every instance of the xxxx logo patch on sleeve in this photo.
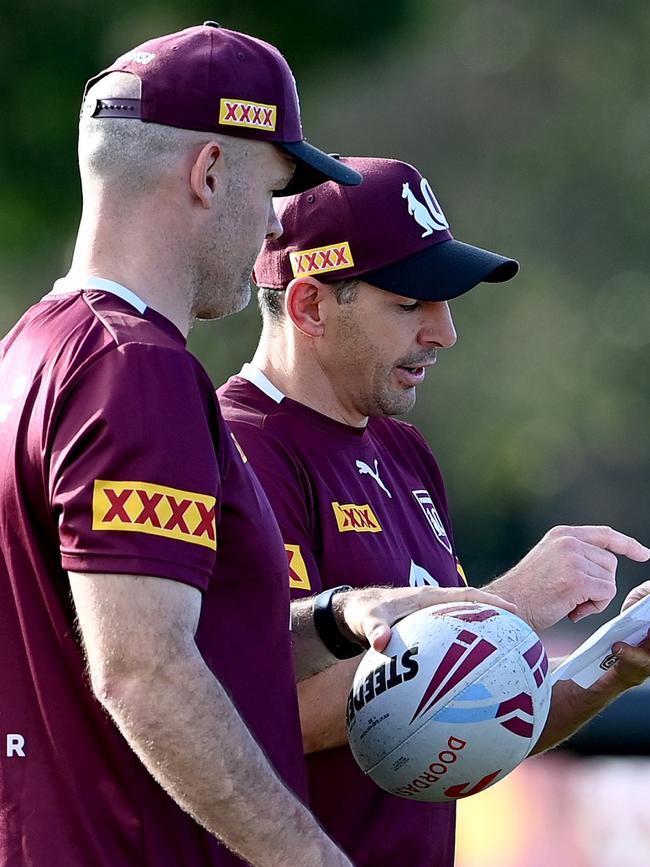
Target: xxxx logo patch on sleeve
(140, 507)
(298, 575)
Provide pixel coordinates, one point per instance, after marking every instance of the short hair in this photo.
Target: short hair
(271, 301)
(130, 155)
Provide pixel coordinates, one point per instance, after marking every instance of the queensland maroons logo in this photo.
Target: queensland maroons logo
(428, 214)
(423, 498)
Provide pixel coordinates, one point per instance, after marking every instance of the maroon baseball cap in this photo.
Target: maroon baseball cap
(390, 231)
(213, 79)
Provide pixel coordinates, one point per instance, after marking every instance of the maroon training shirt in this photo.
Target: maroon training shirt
(355, 506)
(114, 457)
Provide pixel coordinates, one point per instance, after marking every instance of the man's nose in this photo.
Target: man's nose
(439, 329)
(273, 226)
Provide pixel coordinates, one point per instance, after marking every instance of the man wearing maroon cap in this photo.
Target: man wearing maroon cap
(354, 297)
(129, 520)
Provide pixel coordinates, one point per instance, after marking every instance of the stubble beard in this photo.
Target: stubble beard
(387, 401)
(224, 300)
(221, 288)
(223, 284)
(383, 399)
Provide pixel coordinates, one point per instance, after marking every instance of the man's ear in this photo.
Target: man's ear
(304, 305)
(204, 175)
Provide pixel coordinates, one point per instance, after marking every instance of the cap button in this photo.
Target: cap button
(211, 24)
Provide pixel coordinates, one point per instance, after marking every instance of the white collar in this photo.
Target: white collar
(255, 375)
(66, 284)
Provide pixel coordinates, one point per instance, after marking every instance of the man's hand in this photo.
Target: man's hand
(367, 615)
(636, 594)
(633, 666)
(571, 571)
(572, 706)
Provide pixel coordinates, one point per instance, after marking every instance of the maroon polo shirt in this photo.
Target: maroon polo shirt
(114, 458)
(355, 506)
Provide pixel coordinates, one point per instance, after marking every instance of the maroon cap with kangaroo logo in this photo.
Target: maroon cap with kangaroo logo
(213, 79)
(390, 231)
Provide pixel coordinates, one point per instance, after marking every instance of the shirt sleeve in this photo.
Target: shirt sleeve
(133, 475)
(290, 495)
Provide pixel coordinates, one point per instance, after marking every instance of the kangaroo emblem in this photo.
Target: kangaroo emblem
(420, 577)
(364, 468)
(428, 215)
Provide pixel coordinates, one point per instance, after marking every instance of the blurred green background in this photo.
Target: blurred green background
(532, 123)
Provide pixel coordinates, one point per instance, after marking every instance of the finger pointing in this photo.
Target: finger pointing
(612, 540)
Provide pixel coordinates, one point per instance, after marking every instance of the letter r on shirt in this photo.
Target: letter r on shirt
(15, 746)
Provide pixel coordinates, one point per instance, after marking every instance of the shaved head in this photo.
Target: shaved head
(201, 200)
(133, 156)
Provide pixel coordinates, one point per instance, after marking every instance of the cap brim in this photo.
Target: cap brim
(314, 167)
(442, 272)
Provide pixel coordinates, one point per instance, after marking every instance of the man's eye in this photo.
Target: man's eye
(409, 307)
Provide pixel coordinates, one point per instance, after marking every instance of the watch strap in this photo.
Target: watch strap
(327, 628)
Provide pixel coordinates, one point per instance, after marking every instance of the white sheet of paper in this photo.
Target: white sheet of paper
(589, 661)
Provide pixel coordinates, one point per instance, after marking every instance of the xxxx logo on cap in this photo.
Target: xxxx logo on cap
(318, 260)
(257, 115)
(157, 510)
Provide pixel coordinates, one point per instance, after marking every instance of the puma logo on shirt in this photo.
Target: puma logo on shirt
(364, 468)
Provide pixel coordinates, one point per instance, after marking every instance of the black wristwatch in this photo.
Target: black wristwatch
(327, 628)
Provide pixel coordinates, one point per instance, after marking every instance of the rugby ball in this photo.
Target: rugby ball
(456, 701)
